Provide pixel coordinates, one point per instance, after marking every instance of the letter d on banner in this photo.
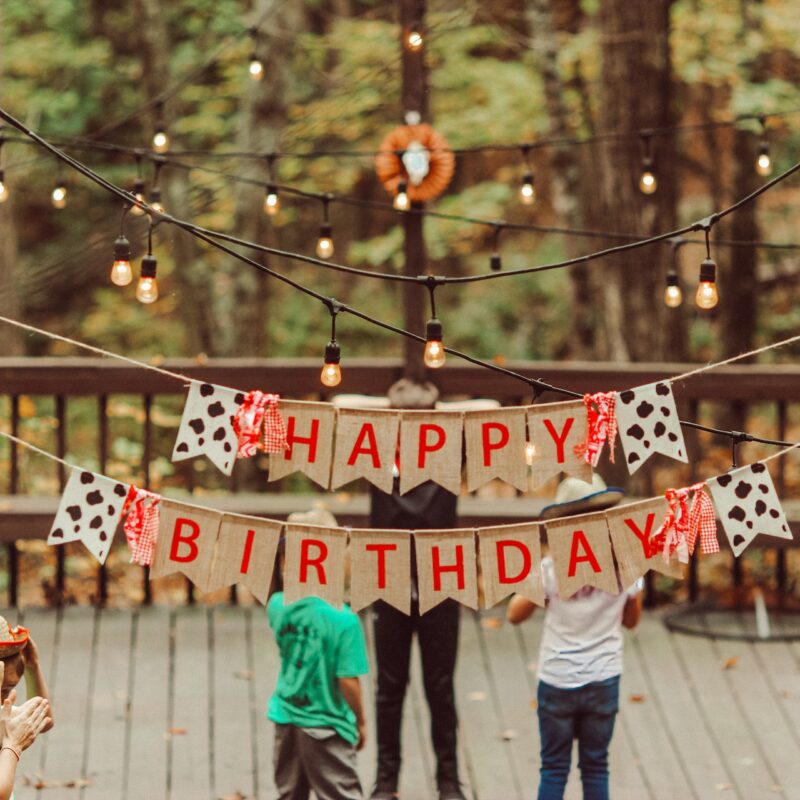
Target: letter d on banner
(314, 564)
(511, 559)
(186, 539)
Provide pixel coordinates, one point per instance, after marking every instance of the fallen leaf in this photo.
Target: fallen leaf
(476, 696)
(724, 787)
(637, 698)
(491, 622)
(534, 703)
(730, 663)
(51, 783)
(786, 694)
(175, 732)
(245, 675)
(508, 735)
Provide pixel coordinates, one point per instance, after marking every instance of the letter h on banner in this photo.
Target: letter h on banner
(446, 567)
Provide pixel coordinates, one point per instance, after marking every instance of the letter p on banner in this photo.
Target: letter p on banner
(314, 563)
(446, 567)
(381, 569)
(511, 558)
(186, 539)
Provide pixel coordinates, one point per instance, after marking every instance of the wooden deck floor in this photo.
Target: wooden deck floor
(168, 703)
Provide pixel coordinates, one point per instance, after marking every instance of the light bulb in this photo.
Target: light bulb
(272, 203)
(155, 200)
(138, 193)
(401, 200)
(121, 273)
(59, 196)
(707, 296)
(530, 453)
(673, 296)
(647, 182)
(435, 355)
(414, 40)
(256, 68)
(764, 162)
(3, 188)
(160, 141)
(325, 241)
(331, 374)
(147, 288)
(527, 191)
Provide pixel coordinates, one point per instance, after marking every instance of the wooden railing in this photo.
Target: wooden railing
(74, 381)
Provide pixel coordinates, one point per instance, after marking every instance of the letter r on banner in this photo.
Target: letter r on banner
(316, 560)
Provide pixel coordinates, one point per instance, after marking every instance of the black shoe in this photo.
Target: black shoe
(451, 793)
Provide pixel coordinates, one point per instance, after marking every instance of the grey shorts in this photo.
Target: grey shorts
(314, 758)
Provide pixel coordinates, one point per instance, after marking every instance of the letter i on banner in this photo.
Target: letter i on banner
(366, 442)
(380, 569)
(555, 429)
(511, 560)
(245, 554)
(581, 552)
(446, 567)
(186, 539)
(314, 563)
(495, 443)
(309, 432)
(430, 449)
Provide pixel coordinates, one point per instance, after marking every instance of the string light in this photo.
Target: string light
(414, 39)
(401, 199)
(331, 374)
(530, 453)
(59, 195)
(325, 241)
(147, 288)
(255, 68)
(155, 191)
(272, 203)
(647, 180)
(527, 190)
(435, 355)
(121, 273)
(673, 295)
(138, 193)
(495, 262)
(160, 137)
(707, 296)
(763, 162)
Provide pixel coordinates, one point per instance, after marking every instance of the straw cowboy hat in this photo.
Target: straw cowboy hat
(12, 640)
(574, 496)
(315, 516)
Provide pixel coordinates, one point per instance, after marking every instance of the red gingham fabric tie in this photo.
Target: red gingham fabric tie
(682, 525)
(141, 524)
(259, 410)
(601, 427)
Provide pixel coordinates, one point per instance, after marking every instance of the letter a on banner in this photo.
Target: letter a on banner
(495, 442)
(245, 554)
(366, 442)
(314, 563)
(430, 449)
(631, 527)
(309, 432)
(380, 569)
(511, 560)
(581, 552)
(555, 429)
(186, 539)
(446, 567)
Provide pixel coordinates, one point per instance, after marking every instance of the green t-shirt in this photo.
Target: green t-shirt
(318, 644)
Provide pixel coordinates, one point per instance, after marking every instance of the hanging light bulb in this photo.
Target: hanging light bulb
(495, 263)
(272, 203)
(255, 68)
(121, 273)
(325, 241)
(414, 39)
(435, 355)
(527, 190)
(401, 199)
(673, 296)
(3, 187)
(707, 296)
(763, 161)
(59, 195)
(647, 180)
(138, 193)
(147, 288)
(160, 140)
(530, 453)
(155, 200)
(331, 374)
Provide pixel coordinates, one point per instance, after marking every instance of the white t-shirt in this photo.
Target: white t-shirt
(582, 639)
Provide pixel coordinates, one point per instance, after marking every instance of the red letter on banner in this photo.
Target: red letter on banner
(248, 551)
(650, 549)
(381, 550)
(439, 568)
(579, 539)
(178, 539)
(488, 444)
(367, 432)
(502, 572)
(310, 440)
(559, 439)
(426, 447)
(306, 561)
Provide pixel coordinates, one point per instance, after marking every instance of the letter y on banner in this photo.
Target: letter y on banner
(186, 538)
(314, 563)
(380, 569)
(511, 560)
(446, 567)
(555, 429)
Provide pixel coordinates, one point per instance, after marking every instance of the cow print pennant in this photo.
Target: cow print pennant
(207, 425)
(648, 423)
(747, 504)
(89, 512)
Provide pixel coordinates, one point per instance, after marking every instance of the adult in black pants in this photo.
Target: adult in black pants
(426, 506)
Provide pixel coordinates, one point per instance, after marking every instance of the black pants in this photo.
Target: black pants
(437, 631)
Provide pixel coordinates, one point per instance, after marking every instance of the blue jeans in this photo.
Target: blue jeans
(586, 714)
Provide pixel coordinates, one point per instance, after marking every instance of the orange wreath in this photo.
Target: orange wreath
(441, 161)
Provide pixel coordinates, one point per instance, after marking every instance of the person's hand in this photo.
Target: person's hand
(23, 724)
(30, 653)
(362, 735)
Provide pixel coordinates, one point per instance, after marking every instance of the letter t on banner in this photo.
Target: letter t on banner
(446, 567)
(511, 559)
(314, 564)
(381, 569)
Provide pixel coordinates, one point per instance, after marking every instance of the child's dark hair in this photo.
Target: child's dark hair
(16, 660)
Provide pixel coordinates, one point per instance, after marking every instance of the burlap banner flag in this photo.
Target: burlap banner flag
(186, 539)
(366, 443)
(495, 444)
(446, 567)
(380, 569)
(581, 552)
(631, 527)
(511, 557)
(430, 449)
(309, 432)
(314, 563)
(245, 554)
(555, 429)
